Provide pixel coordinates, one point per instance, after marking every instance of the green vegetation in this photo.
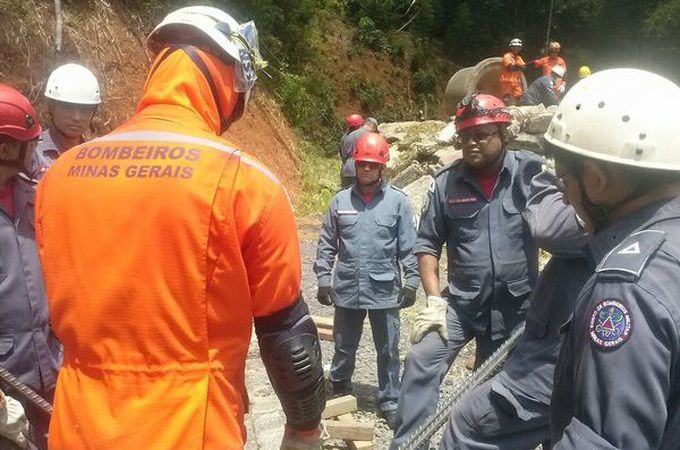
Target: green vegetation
(418, 35)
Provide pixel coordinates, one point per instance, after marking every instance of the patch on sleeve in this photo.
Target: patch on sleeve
(610, 324)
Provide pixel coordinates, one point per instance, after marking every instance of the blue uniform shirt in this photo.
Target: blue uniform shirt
(617, 381)
(45, 153)
(492, 256)
(371, 242)
(541, 91)
(28, 348)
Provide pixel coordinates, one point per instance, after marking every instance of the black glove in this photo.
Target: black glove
(407, 297)
(325, 295)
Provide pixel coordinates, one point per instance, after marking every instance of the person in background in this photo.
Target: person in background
(354, 124)
(347, 146)
(542, 91)
(369, 228)
(29, 349)
(510, 79)
(72, 94)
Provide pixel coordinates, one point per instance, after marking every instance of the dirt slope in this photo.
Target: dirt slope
(108, 40)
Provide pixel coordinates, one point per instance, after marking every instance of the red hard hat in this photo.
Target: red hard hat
(372, 147)
(18, 120)
(478, 109)
(354, 120)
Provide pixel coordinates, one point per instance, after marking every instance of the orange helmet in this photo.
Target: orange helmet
(372, 147)
(354, 120)
(478, 109)
(18, 120)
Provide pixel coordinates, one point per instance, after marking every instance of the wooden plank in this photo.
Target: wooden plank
(360, 445)
(325, 335)
(339, 406)
(353, 431)
(323, 322)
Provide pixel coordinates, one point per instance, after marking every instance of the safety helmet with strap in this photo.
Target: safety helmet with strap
(516, 42)
(623, 116)
(478, 109)
(18, 123)
(555, 46)
(73, 83)
(558, 70)
(371, 147)
(354, 120)
(208, 27)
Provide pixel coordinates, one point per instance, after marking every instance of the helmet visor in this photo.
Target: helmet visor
(246, 40)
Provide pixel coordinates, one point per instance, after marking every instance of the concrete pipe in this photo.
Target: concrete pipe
(482, 77)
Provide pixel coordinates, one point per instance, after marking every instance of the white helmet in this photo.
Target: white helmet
(73, 83)
(516, 42)
(624, 116)
(558, 70)
(204, 25)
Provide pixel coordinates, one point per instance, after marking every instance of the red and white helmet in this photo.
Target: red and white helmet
(478, 109)
(354, 120)
(371, 147)
(18, 121)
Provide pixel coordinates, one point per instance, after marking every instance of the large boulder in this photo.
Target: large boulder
(408, 175)
(447, 135)
(417, 193)
(409, 132)
(447, 155)
(532, 142)
(538, 124)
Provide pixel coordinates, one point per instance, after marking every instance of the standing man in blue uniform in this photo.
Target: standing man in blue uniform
(617, 151)
(28, 348)
(72, 94)
(475, 206)
(369, 227)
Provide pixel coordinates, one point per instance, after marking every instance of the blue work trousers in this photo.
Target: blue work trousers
(484, 420)
(347, 328)
(426, 365)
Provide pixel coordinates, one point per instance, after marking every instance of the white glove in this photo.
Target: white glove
(301, 440)
(432, 318)
(13, 422)
(562, 88)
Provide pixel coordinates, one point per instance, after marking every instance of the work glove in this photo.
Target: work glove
(432, 318)
(562, 88)
(13, 422)
(407, 297)
(325, 295)
(301, 440)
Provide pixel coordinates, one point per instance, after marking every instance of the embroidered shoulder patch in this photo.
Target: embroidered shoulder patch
(610, 324)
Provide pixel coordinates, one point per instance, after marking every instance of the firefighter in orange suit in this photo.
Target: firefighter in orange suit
(160, 246)
(510, 79)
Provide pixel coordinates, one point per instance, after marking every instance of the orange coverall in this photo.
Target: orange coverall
(511, 80)
(548, 62)
(159, 244)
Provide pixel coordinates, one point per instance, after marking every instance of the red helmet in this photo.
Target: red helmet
(372, 147)
(478, 109)
(18, 120)
(354, 120)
